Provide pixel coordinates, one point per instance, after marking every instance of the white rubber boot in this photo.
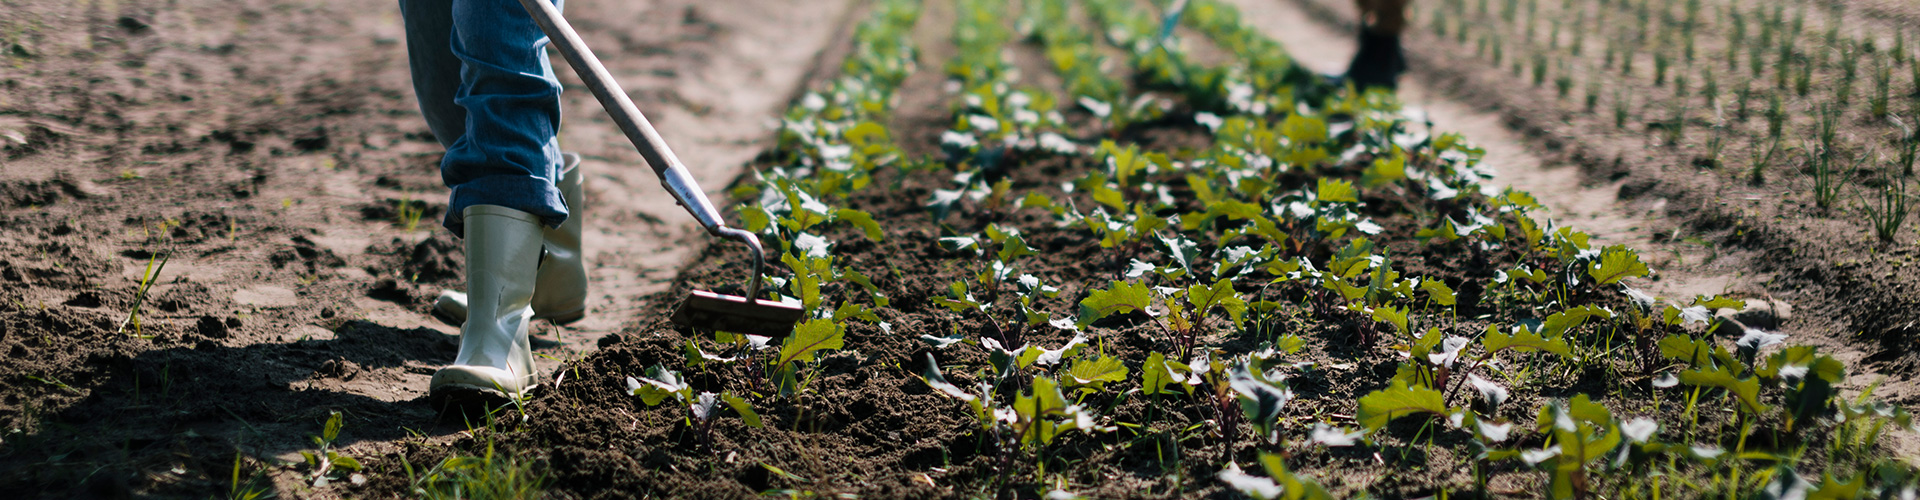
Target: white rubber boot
(495, 359)
(560, 292)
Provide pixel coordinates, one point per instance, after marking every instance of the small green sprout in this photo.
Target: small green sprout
(326, 465)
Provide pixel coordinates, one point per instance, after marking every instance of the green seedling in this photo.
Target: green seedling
(1676, 128)
(1593, 93)
(1620, 107)
(1280, 484)
(1776, 116)
(488, 475)
(1783, 67)
(1741, 96)
(1828, 171)
(1762, 156)
(1660, 64)
(326, 465)
(155, 263)
(1710, 89)
(1882, 87)
(1803, 79)
(1539, 69)
(1887, 206)
(408, 213)
(1736, 37)
(660, 384)
(256, 486)
(1908, 144)
(1716, 143)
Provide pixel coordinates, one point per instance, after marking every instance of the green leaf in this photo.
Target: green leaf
(879, 299)
(1036, 199)
(1818, 365)
(966, 244)
(1559, 323)
(1124, 162)
(1031, 354)
(1617, 263)
(343, 461)
(1012, 245)
(1523, 340)
(1260, 399)
(866, 133)
(1382, 406)
(1683, 348)
(1182, 249)
(1222, 295)
(742, 407)
(1747, 390)
(658, 383)
(1033, 408)
(938, 382)
(1290, 344)
(1351, 260)
(1107, 195)
(1719, 302)
(1093, 374)
(942, 342)
(1386, 170)
(812, 336)
(1304, 130)
(1392, 315)
(1438, 291)
(332, 429)
(1158, 373)
(1333, 190)
(1120, 297)
(755, 218)
(1582, 408)
(804, 284)
(863, 220)
(854, 310)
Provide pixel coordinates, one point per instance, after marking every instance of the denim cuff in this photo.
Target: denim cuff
(528, 194)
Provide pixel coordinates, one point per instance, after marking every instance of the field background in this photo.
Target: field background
(271, 155)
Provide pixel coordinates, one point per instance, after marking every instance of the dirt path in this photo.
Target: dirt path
(263, 150)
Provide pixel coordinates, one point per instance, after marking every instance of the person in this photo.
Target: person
(489, 95)
(1379, 61)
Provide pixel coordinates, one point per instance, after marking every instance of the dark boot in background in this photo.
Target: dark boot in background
(1378, 63)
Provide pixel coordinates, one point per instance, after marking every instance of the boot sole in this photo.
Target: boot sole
(561, 319)
(464, 404)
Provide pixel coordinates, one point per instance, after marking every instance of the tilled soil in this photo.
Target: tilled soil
(259, 169)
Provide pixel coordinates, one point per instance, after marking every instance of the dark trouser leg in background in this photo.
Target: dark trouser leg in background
(1379, 62)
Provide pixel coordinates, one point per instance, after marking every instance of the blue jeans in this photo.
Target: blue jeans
(481, 73)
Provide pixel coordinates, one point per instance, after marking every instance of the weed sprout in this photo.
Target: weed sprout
(1888, 205)
(1741, 96)
(1710, 90)
(1762, 156)
(1620, 105)
(1882, 83)
(1660, 64)
(1593, 92)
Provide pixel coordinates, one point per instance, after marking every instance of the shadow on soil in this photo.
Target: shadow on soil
(261, 401)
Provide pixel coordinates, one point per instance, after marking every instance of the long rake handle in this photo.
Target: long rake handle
(673, 174)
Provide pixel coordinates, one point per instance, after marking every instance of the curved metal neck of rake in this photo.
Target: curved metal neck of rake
(759, 257)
